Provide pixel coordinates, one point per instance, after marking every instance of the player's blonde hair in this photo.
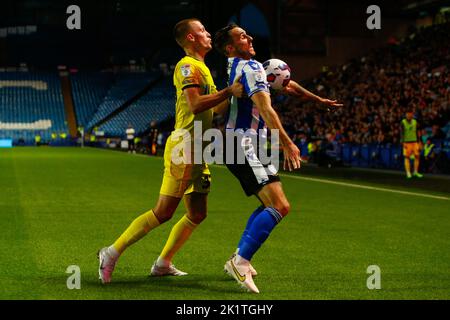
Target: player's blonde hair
(181, 29)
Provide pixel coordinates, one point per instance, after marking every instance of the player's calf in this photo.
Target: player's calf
(283, 207)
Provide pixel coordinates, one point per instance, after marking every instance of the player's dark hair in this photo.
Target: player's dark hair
(181, 29)
(222, 38)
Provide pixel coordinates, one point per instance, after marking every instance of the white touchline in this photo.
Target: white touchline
(360, 186)
(345, 184)
(352, 185)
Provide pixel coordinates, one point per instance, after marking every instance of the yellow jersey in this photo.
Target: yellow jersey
(190, 72)
(186, 177)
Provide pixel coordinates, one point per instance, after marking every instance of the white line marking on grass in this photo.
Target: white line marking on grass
(338, 183)
(360, 186)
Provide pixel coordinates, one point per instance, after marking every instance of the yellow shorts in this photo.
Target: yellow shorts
(411, 148)
(181, 179)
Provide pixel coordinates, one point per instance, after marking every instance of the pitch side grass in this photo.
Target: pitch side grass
(58, 206)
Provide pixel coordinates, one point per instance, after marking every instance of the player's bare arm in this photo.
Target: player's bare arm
(295, 89)
(291, 152)
(198, 103)
(222, 107)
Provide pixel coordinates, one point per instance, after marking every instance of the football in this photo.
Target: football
(278, 73)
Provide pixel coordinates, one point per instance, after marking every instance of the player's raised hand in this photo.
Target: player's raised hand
(237, 88)
(331, 104)
(292, 160)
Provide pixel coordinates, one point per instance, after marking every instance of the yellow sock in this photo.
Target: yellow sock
(137, 229)
(181, 231)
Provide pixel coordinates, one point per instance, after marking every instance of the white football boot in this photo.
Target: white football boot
(252, 270)
(106, 265)
(242, 274)
(158, 271)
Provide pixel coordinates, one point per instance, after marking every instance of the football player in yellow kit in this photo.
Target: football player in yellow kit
(197, 96)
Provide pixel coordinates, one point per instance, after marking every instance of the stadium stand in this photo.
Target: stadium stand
(30, 104)
(125, 87)
(88, 91)
(376, 90)
(157, 105)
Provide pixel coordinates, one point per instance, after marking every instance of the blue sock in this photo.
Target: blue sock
(258, 232)
(249, 223)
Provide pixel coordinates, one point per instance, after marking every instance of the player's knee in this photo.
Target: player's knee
(163, 215)
(285, 209)
(198, 217)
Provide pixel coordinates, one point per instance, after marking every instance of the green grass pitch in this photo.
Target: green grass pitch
(58, 206)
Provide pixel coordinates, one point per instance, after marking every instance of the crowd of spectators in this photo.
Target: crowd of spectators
(377, 89)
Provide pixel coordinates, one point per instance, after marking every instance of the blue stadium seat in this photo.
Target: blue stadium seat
(126, 86)
(157, 105)
(88, 91)
(30, 104)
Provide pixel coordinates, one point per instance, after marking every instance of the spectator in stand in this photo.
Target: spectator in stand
(378, 89)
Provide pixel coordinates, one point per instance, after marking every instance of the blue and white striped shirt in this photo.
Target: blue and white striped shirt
(243, 114)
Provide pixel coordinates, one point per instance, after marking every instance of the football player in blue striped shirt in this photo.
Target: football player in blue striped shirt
(254, 114)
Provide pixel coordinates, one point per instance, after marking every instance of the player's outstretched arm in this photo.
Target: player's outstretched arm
(295, 89)
(291, 152)
(198, 103)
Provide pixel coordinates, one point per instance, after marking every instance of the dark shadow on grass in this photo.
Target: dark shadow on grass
(216, 283)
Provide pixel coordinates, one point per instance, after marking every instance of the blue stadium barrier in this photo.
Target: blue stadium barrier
(375, 156)
(346, 153)
(379, 156)
(396, 157)
(355, 155)
(364, 160)
(385, 156)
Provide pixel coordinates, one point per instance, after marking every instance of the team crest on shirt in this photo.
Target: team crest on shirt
(185, 70)
(259, 77)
